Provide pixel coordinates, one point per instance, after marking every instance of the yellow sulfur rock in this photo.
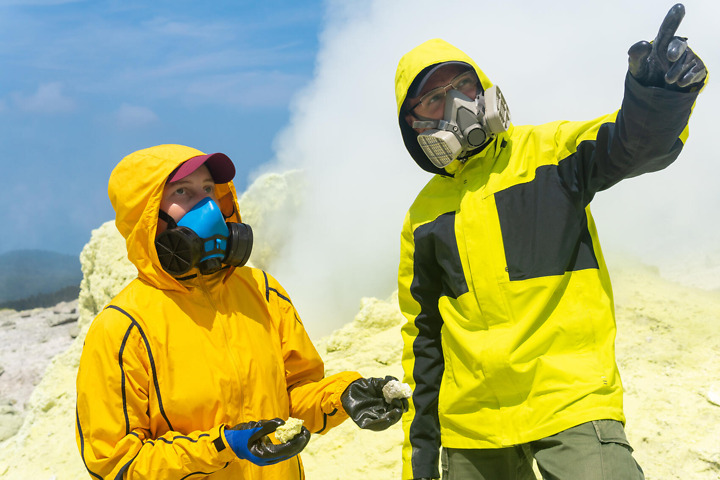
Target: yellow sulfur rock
(396, 389)
(288, 430)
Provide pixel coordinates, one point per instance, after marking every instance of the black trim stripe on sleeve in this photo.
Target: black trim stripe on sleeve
(204, 473)
(152, 363)
(181, 437)
(324, 424)
(82, 444)
(121, 473)
(269, 289)
(197, 473)
(325, 415)
(281, 296)
(267, 286)
(122, 377)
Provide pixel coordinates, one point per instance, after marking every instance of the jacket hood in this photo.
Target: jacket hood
(135, 189)
(411, 65)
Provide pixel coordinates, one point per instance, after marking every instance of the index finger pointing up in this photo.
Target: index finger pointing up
(668, 28)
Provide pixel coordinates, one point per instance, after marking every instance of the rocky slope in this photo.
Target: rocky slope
(29, 339)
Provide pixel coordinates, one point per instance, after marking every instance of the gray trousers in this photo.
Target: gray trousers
(596, 450)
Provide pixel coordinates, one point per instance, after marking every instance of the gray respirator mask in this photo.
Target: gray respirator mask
(466, 125)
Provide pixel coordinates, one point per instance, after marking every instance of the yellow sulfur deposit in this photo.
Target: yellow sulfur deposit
(288, 430)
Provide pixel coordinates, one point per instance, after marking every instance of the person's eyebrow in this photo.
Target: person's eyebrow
(182, 181)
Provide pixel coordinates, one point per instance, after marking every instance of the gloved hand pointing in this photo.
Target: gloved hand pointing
(249, 442)
(363, 400)
(667, 62)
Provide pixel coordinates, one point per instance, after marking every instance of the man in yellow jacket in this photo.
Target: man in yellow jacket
(192, 365)
(509, 340)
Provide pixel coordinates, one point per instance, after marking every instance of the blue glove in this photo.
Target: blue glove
(667, 62)
(249, 441)
(363, 400)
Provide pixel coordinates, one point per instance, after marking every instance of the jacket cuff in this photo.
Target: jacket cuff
(222, 448)
(675, 98)
(335, 402)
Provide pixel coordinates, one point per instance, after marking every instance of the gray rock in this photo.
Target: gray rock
(30, 339)
(65, 307)
(10, 421)
(62, 319)
(74, 331)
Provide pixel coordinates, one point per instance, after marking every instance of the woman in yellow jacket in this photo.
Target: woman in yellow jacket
(509, 340)
(190, 367)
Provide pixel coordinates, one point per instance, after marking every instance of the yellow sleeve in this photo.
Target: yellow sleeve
(114, 382)
(422, 359)
(314, 398)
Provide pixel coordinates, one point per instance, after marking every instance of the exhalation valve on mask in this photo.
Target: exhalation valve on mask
(466, 125)
(204, 240)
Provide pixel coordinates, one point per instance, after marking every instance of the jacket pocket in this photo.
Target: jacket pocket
(544, 229)
(611, 431)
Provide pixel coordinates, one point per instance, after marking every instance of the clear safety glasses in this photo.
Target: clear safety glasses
(432, 104)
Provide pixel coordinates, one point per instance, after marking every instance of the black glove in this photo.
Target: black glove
(363, 400)
(249, 441)
(667, 62)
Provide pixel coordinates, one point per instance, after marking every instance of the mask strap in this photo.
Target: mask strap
(231, 213)
(163, 215)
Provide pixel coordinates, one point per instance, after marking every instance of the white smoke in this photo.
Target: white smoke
(558, 60)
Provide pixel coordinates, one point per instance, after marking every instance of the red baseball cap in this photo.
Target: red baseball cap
(220, 166)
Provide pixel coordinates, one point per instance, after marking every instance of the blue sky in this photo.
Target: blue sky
(85, 83)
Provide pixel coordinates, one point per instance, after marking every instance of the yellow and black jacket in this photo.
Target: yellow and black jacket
(169, 364)
(510, 318)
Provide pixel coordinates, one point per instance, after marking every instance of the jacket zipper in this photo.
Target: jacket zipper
(202, 284)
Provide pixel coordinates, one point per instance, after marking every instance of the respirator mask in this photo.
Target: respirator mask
(466, 125)
(202, 239)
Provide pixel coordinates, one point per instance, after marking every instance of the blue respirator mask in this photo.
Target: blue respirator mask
(204, 240)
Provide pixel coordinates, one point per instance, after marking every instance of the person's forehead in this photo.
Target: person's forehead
(442, 76)
(202, 174)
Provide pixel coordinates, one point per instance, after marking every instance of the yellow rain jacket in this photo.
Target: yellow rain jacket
(510, 318)
(169, 364)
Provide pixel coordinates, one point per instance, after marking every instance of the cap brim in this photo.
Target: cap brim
(220, 166)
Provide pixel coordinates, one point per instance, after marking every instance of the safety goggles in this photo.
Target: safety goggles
(432, 104)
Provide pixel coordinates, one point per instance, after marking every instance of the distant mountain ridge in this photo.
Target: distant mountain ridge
(32, 273)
